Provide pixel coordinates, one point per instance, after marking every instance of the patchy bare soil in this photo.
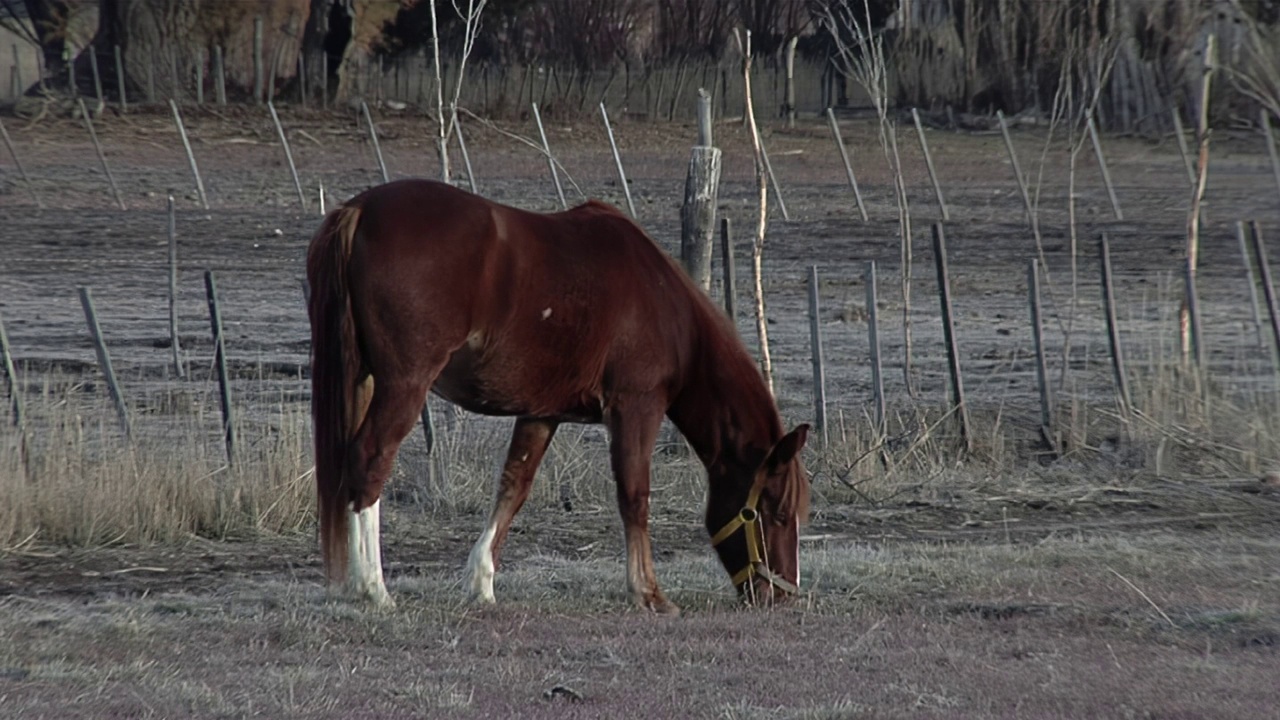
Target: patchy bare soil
(1097, 585)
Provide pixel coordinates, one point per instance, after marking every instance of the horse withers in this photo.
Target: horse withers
(577, 316)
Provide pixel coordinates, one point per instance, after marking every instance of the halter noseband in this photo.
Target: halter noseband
(749, 518)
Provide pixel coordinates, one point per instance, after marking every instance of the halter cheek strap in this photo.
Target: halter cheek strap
(749, 519)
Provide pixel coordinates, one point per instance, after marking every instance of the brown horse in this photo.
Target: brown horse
(570, 317)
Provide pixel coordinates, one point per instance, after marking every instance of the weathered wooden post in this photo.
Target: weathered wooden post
(790, 108)
(701, 190)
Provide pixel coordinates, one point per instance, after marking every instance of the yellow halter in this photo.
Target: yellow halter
(749, 518)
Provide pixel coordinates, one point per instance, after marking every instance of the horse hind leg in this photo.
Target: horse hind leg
(392, 409)
(529, 441)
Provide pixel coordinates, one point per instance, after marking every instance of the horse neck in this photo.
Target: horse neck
(724, 409)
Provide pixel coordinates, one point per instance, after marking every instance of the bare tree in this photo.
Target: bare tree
(762, 220)
(445, 124)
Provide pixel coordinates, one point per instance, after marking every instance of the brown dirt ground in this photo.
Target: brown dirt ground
(1107, 591)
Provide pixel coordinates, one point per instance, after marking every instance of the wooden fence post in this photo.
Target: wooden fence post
(104, 359)
(848, 166)
(815, 348)
(617, 160)
(701, 190)
(1113, 330)
(928, 161)
(949, 336)
(220, 361)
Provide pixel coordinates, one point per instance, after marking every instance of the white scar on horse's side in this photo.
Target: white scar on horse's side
(364, 556)
(480, 567)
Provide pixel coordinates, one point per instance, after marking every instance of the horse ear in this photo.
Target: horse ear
(789, 446)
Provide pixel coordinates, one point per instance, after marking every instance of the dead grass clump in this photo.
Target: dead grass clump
(84, 485)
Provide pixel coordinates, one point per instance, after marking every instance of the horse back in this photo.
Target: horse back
(549, 315)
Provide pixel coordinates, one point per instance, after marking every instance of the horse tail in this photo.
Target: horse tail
(336, 369)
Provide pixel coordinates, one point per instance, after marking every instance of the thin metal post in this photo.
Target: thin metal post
(219, 77)
(26, 180)
(617, 161)
(97, 78)
(1113, 329)
(1017, 169)
(815, 347)
(220, 360)
(466, 156)
(93, 135)
(730, 272)
(1102, 165)
(104, 359)
(928, 161)
(949, 336)
(1180, 133)
(373, 137)
(191, 157)
(873, 339)
(1268, 288)
(1042, 374)
(848, 166)
(124, 100)
(1249, 280)
(288, 154)
(773, 179)
(173, 292)
(551, 161)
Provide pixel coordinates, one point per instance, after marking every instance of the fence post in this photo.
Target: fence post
(1017, 170)
(617, 160)
(773, 179)
(288, 155)
(1102, 165)
(220, 360)
(97, 78)
(173, 292)
(1268, 289)
(93, 135)
(551, 161)
(1042, 374)
(928, 161)
(11, 383)
(949, 336)
(257, 60)
(1250, 280)
(373, 137)
(815, 347)
(124, 100)
(191, 157)
(701, 189)
(873, 340)
(219, 77)
(199, 77)
(104, 359)
(848, 166)
(26, 180)
(1113, 330)
(730, 272)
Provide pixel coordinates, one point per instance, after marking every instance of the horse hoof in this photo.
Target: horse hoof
(661, 606)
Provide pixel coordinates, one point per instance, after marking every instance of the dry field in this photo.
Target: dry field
(1138, 575)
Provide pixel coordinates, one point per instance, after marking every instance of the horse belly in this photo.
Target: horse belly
(501, 383)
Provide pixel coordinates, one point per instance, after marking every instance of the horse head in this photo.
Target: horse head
(758, 539)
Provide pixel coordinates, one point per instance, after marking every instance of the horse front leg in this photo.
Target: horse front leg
(633, 432)
(529, 441)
